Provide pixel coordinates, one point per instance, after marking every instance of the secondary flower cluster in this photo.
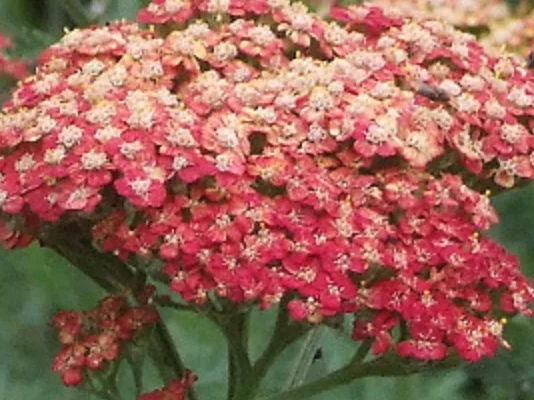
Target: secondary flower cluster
(495, 24)
(514, 34)
(8, 67)
(463, 14)
(91, 339)
(269, 152)
(176, 390)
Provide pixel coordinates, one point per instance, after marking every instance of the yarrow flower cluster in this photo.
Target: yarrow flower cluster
(270, 153)
(8, 67)
(92, 339)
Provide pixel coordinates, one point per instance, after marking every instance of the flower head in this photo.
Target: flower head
(282, 154)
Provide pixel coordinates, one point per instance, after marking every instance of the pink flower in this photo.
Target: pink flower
(144, 188)
(422, 350)
(161, 11)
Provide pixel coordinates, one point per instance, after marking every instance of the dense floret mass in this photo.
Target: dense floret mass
(256, 151)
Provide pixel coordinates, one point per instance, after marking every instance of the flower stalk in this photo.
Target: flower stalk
(234, 327)
(390, 366)
(166, 357)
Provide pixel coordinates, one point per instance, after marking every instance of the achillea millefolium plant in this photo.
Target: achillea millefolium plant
(250, 154)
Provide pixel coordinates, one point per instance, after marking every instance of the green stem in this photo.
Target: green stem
(234, 326)
(168, 303)
(389, 365)
(238, 347)
(335, 379)
(283, 335)
(232, 377)
(239, 365)
(72, 241)
(362, 352)
(305, 358)
(76, 11)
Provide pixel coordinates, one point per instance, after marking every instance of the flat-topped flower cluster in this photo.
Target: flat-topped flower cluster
(256, 151)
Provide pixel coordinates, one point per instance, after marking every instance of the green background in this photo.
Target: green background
(35, 283)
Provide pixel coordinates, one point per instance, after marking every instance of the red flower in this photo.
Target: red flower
(104, 347)
(143, 187)
(93, 338)
(176, 390)
(378, 329)
(69, 363)
(69, 324)
(422, 350)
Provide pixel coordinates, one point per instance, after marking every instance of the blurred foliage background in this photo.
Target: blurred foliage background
(35, 283)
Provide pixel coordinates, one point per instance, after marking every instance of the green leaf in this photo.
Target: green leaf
(124, 9)
(29, 42)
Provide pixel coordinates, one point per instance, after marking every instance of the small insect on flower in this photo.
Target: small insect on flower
(433, 93)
